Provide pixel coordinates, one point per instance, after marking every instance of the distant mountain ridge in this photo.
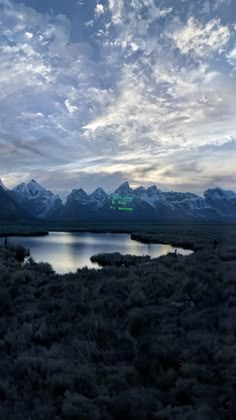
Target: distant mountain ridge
(125, 203)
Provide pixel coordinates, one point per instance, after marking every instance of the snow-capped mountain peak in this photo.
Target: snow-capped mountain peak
(40, 201)
(124, 189)
(99, 194)
(77, 195)
(151, 191)
(219, 194)
(32, 189)
(98, 197)
(139, 190)
(222, 200)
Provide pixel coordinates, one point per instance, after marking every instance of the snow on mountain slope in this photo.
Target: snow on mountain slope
(37, 199)
(223, 201)
(219, 194)
(156, 203)
(99, 196)
(78, 195)
(124, 189)
(28, 190)
(3, 186)
(146, 203)
(63, 195)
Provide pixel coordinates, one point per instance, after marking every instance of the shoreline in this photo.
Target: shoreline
(149, 239)
(192, 237)
(23, 234)
(138, 237)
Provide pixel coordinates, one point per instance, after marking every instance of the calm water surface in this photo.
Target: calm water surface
(69, 251)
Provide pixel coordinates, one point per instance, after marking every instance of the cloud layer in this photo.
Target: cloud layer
(114, 90)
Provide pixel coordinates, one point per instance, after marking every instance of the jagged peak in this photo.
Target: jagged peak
(99, 189)
(153, 190)
(33, 189)
(34, 184)
(218, 192)
(140, 190)
(77, 193)
(125, 184)
(31, 183)
(79, 190)
(98, 192)
(124, 188)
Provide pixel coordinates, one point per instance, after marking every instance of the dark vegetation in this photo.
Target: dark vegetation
(9, 228)
(152, 341)
(117, 259)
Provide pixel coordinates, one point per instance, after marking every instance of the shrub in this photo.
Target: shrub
(44, 268)
(134, 404)
(77, 407)
(136, 322)
(84, 381)
(20, 252)
(4, 300)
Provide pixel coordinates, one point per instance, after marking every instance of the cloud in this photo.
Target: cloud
(220, 3)
(130, 88)
(29, 35)
(99, 10)
(56, 181)
(200, 40)
(231, 57)
(71, 108)
(116, 8)
(89, 24)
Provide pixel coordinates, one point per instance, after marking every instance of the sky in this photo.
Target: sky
(95, 93)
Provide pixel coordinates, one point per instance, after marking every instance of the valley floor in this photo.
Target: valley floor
(153, 341)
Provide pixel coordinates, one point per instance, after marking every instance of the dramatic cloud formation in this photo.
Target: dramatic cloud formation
(94, 93)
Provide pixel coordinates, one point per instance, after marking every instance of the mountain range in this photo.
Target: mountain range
(31, 200)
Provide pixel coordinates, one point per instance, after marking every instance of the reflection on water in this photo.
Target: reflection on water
(69, 251)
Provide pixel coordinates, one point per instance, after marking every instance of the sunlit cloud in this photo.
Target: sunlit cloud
(99, 9)
(201, 40)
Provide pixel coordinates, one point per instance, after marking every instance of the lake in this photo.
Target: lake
(69, 251)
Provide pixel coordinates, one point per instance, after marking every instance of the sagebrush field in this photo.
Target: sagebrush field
(150, 341)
